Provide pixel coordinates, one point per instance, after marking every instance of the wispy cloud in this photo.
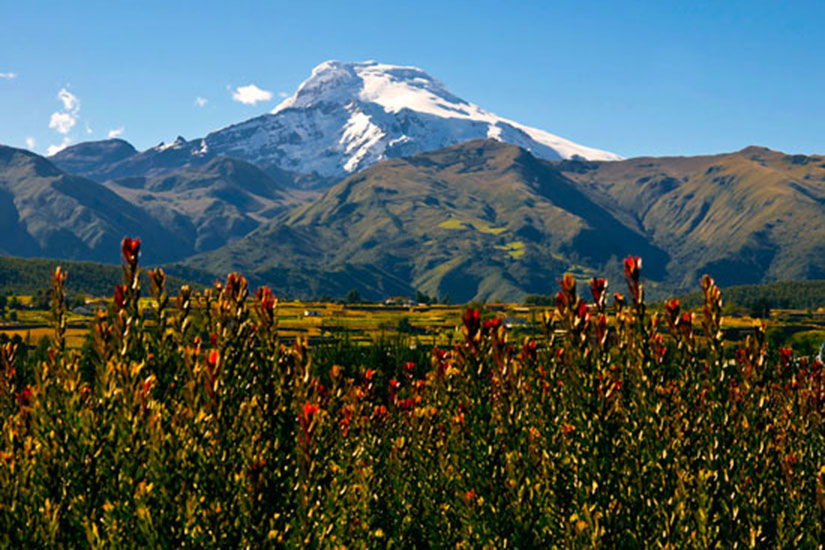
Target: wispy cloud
(54, 149)
(283, 95)
(201, 101)
(69, 100)
(62, 122)
(8, 76)
(250, 95)
(30, 142)
(117, 132)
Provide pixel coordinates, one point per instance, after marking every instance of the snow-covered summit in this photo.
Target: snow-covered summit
(391, 86)
(346, 116)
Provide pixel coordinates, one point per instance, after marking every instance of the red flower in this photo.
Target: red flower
(130, 249)
(672, 309)
(266, 299)
(561, 301)
(568, 284)
(310, 409)
(598, 288)
(439, 360)
(120, 300)
(529, 349)
(24, 397)
(786, 354)
(407, 404)
(632, 268)
(601, 329)
(307, 415)
(632, 272)
(584, 313)
(345, 421)
(472, 323)
(491, 325)
(380, 412)
(393, 391)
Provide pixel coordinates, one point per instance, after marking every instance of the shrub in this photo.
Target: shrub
(620, 429)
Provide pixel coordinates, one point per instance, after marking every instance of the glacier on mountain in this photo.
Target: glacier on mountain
(347, 116)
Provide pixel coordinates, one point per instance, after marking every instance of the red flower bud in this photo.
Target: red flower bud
(120, 300)
(24, 397)
(130, 249)
(672, 309)
(598, 288)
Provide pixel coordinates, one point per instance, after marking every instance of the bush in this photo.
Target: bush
(200, 429)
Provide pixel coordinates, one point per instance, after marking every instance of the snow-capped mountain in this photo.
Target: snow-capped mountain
(347, 116)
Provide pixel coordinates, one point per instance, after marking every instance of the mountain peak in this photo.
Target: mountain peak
(392, 86)
(349, 115)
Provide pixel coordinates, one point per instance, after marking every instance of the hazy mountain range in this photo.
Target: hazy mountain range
(376, 177)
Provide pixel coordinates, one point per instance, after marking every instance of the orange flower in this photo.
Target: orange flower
(213, 358)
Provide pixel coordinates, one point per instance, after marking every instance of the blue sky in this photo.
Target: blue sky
(635, 78)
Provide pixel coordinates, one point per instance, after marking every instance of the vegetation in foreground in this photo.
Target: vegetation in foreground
(196, 428)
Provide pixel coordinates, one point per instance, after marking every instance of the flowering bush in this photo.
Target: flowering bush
(197, 428)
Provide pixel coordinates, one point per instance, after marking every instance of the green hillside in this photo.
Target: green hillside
(747, 217)
(776, 295)
(28, 276)
(480, 220)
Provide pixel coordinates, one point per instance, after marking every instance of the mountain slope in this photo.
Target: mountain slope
(482, 219)
(87, 159)
(209, 205)
(746, 217)
(478, 220)
(48, 213)
(117, 159)
(347, 116)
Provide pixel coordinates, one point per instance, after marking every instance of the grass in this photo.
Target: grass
(455, 223)
(514, 249)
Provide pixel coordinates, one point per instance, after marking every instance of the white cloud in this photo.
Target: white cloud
(283, 95)
(201, 101)
(117, 132)
(54, 149)
(89, 129)
(8, 76)
(62, 122)
(250, 95)
(70, 101)
(30, 143)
